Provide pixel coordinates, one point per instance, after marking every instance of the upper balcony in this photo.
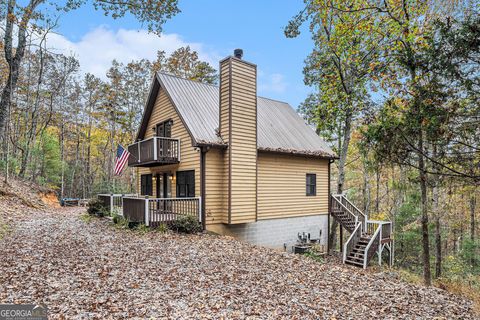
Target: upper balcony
(154, 152)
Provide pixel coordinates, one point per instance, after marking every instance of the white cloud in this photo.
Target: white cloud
(97, 48)
(274, 82)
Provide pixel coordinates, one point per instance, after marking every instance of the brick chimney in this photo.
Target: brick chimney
(238, 127)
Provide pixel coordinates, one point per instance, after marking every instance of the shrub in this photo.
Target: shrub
(120, 221)
(315, 253)
(116, 218)
(142, 228)
(97, 208)
(162, 228)
(86, 218)
(186, 224)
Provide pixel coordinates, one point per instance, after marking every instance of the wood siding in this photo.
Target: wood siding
(189, 157)
(216, 186)
(282, 186)
(238, 127)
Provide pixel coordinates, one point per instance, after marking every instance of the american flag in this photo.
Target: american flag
(121, 160)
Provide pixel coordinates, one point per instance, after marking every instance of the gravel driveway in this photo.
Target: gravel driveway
(90, 269)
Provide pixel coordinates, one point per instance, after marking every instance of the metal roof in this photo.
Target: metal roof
(279, 127)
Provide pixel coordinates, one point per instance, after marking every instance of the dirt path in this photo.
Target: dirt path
(92, 270)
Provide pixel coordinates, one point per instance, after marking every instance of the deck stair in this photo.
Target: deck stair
(367, 237)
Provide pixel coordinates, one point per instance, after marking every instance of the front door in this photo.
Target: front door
(164, 190)
(164, 185)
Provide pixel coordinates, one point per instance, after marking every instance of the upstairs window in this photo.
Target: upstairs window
(164, 129)
(186, 184)
(311, 184)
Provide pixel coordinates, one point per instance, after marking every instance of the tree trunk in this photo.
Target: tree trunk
(438, 248)
(424, 207)
(473, 202)
(366, 190)
(13, 61)
(437, 214)
(341, 172)
(62, 158)
(377, 191)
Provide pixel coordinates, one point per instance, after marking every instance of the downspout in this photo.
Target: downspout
(203, 152)
(329, 206)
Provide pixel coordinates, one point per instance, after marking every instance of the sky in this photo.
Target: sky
(213, 28)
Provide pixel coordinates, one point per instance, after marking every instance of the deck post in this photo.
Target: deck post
(147, 212)
(178, 150)
(200, 210)
(380, 247)
(138, 148)
(392, 249)
(155, 148)
(111, 203)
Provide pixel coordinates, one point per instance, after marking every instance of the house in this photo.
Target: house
(245, 165)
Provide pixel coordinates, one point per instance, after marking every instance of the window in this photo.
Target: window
(146, 185)
(164, 129)
(311, 184)
(185, 184)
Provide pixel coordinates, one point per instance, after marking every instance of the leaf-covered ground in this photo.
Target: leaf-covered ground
(90, 269)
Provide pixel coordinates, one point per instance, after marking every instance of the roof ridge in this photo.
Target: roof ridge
(274, 100)
(181, 78)
(210, 84)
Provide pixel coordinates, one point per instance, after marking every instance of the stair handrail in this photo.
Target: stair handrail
(352, 240)
(356, 208)
(341, 204)
(370, 243)
(360, 213)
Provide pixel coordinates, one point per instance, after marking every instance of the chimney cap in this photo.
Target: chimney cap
(238, 53)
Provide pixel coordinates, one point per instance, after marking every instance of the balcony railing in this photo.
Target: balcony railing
(154, 151)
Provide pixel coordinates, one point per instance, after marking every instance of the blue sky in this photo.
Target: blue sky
(214, 28)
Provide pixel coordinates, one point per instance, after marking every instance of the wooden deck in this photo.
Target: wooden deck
(156, 211)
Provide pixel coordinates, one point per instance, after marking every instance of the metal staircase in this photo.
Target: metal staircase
(367, 237)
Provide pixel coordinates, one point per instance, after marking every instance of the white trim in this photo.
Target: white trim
(179, 150)
(365, 257)
(200, 209)
(348, 241)
(117, 194)
(147, 212)
(141, 197)
(155, 149)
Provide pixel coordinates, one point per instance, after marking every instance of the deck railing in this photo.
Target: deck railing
(385, 226)
(381, 232)
(156, 211)
(113, 201)
(154, 150)
(165, 210)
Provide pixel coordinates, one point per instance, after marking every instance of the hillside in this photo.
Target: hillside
(87, 268)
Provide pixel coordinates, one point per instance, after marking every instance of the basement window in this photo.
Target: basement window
(311, 184)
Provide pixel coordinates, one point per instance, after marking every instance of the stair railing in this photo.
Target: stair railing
(372, 246)
(361, 216)
(352, 240)
(338, 203)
